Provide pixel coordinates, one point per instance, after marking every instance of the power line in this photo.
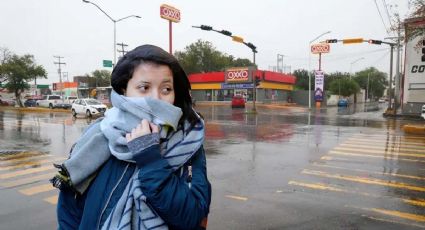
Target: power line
(380, 15)
(388, 12)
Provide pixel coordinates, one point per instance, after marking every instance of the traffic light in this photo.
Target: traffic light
(331, 40)
(237, 39)
(257, 81)
(377, 42)
(204, 27)
(225, 32)
(250, 45)
(352, 40)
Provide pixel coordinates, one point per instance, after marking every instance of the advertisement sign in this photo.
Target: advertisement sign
(319, 85)
(414, 81)
(238, 75)
(169, 13)
(320, 48)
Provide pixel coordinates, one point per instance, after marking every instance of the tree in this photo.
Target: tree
(17, 71)
(202, 56)
(372, 81)
(335, 76)
(344, 86)
(102, 78)
(302, 79)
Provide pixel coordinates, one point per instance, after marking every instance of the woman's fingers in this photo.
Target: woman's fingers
(154, 128)
(143, 128)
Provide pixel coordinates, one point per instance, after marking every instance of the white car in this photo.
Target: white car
(89, 107)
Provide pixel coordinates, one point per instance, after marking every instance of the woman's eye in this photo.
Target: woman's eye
(143, 88)
(167, 90)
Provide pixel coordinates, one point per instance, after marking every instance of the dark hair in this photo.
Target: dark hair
(145, 54)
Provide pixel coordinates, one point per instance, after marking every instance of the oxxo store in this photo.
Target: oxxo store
(222, 86)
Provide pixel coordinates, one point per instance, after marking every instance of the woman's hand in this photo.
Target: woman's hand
(144, 128)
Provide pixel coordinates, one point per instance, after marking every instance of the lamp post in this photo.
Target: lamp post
(115, 27)
(351, 64)
(309, 66)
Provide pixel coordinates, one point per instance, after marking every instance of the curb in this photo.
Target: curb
(33, 109)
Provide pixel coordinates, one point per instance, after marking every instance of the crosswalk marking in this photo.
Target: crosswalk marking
(237, 197)
(37, 189)
(394, 142)
(364, 180)
(389, 136)
(374, 156)
(386, 145)
(415, 202)
(23, 154)
(52, 200)
(383, 148)
(31, 163)
(25, 172)
(380, 152)
(27, 180)
(371, 172)
(19, 160)
(393, 221)
(404, 215)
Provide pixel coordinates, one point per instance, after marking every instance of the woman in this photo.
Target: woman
(143, 165)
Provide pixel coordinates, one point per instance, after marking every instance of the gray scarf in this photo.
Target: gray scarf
(108, 137)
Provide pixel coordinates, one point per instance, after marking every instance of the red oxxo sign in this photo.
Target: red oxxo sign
(237, 75)
(169, 13)
(320, 48)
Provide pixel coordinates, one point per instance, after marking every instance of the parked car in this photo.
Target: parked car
(238, 101)
(49, 101)
(7, 102)
(30, 102)
(70, 99)
(343, 102)
(89, 107)
(423, 112)
(62, 106)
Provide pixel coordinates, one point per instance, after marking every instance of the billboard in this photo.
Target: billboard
(318, 85)
(169, 13)
(320, 48)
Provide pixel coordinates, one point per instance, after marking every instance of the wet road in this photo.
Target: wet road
(284, 168)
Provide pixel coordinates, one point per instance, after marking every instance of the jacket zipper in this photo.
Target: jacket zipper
(110, 195)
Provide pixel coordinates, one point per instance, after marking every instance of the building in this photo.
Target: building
(413, 83)
(222, 86)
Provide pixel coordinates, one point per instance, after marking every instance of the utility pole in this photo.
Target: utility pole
(397, 73)
(122, 51)
(59, 63)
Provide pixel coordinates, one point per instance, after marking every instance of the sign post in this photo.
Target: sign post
(172, 15)
(318, 74)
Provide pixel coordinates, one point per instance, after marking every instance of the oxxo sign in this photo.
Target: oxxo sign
(169, 13)
(320, 48)
(238, 75)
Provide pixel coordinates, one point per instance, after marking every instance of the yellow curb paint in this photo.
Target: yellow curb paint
(380, 152)
(52, 200)
(37, 189)
(364, 180)
(28, 180)
(393, 221)
(25, 172)
(237, 197)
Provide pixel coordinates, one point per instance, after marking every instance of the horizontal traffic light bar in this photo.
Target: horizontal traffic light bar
(357, 40)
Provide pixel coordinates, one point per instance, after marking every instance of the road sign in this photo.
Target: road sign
(169, 13)
(320, 48)
(107, 63)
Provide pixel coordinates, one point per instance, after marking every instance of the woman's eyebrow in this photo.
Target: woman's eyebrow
(166, 81)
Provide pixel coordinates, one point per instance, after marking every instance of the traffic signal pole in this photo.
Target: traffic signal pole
(254, 88)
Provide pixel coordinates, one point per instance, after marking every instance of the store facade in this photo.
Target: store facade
(222, 86)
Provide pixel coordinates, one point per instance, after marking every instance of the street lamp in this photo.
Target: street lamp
(115, 28)
(309, 66)
(351, 64)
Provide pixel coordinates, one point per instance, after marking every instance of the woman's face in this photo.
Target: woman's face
(152, 80)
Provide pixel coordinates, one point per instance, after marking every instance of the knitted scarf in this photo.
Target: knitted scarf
(179, 145)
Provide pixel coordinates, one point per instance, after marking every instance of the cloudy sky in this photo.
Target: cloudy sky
(83, 35)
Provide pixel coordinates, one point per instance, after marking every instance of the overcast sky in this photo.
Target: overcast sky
(83, 35)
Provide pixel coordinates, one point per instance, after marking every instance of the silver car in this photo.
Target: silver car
(89, 107)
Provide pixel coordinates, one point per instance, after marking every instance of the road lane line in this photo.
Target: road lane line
(23, 154)
(52, 200)
(374, 156)
(394, 222)
(37, 189)
(28, 180)
(25, 172)
(388, 136)
(316, 186)
(403, 215)
(387, 145)
(380, 152)
(371, 172)
(383, 148)
(31, 163)
(19, 160)
(237, 197)
(364, 180)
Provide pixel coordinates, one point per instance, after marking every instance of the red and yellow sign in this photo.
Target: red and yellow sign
(169, 13)
(320, 48)
(237, 75)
